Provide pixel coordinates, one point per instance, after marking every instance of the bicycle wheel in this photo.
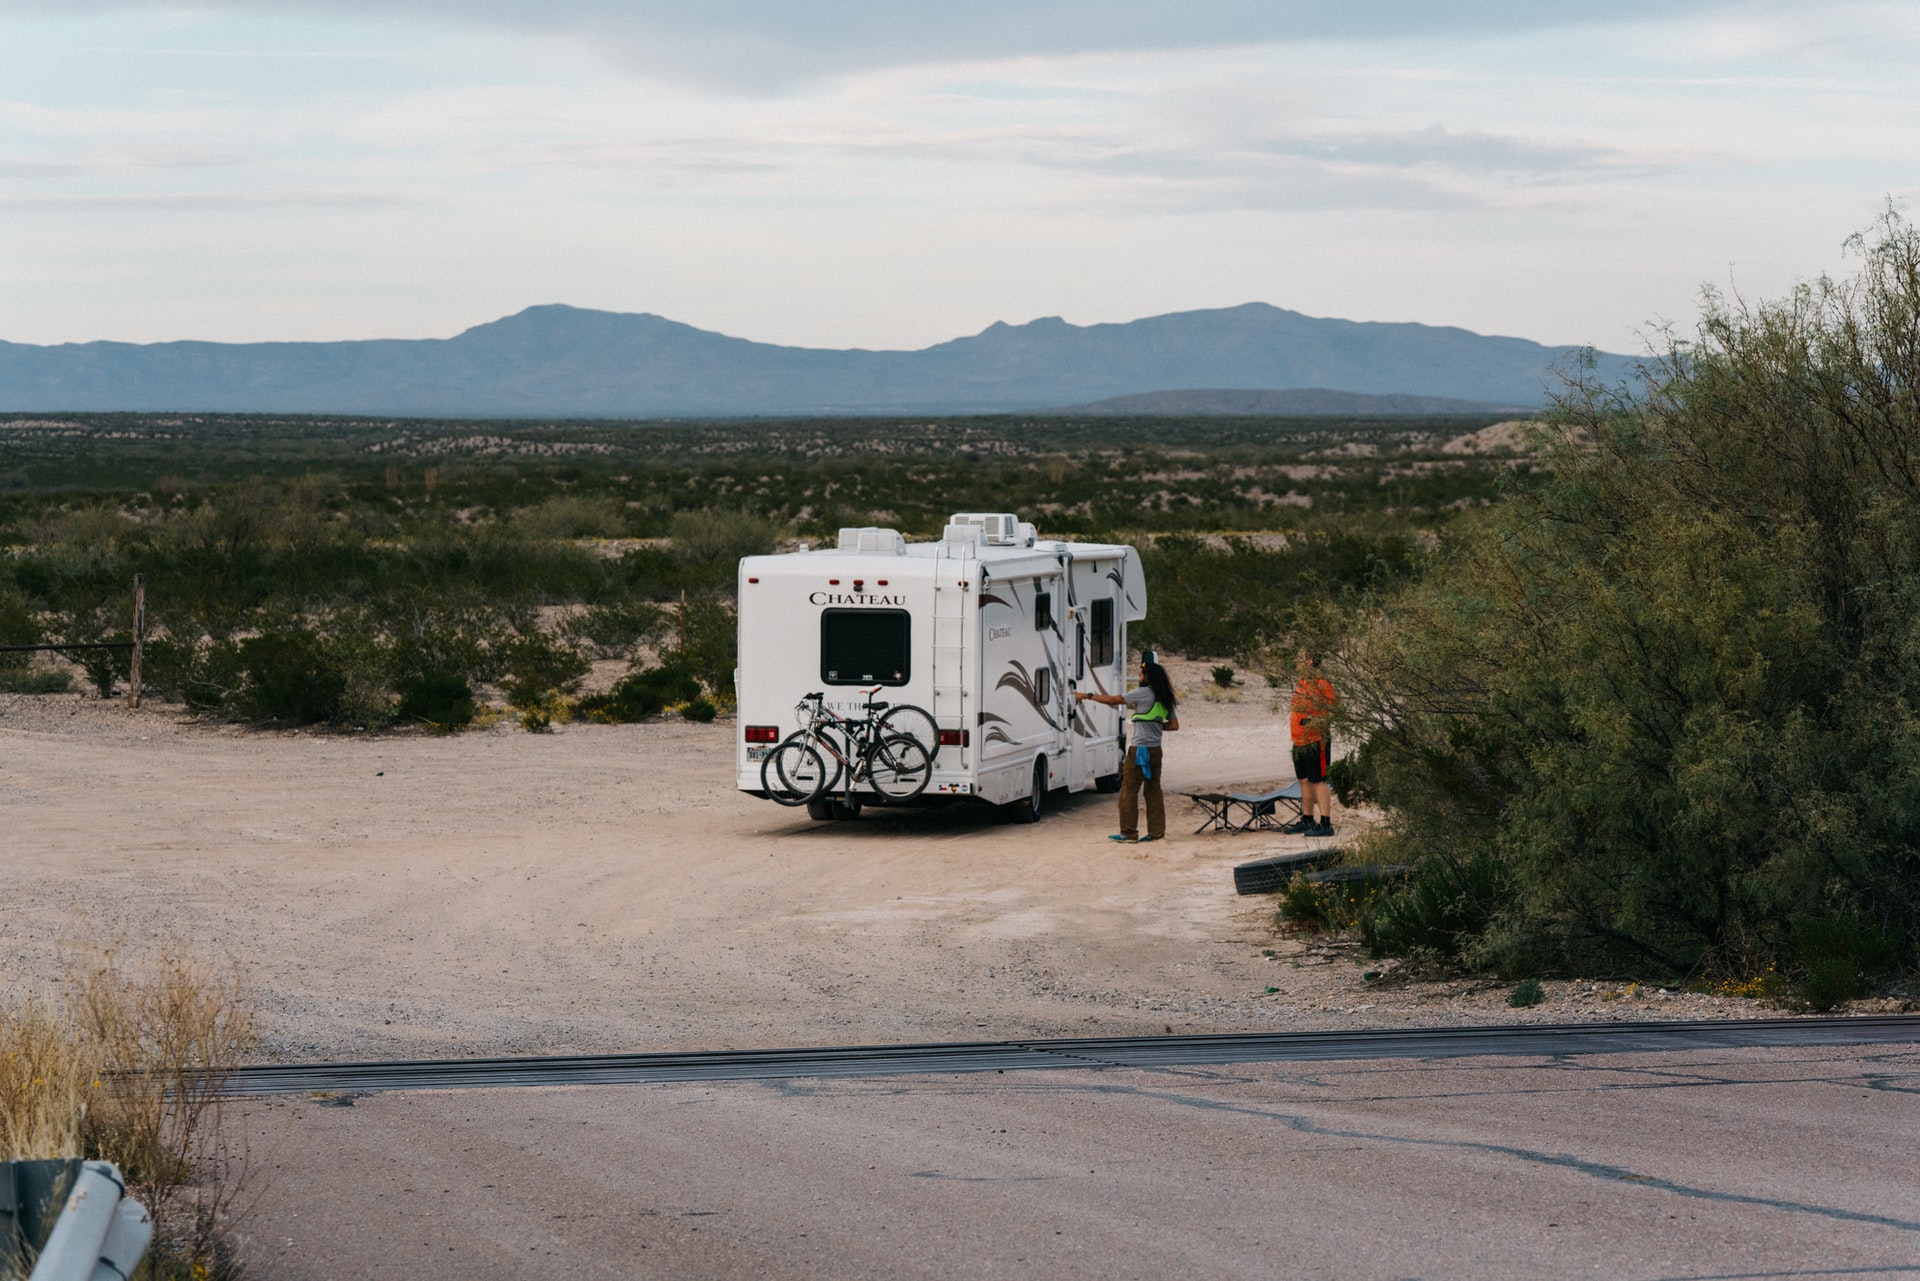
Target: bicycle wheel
(793, 772)
(899, 767)
(916, 723)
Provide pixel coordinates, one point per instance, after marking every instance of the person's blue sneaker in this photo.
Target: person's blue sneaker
(1124, 839)
(1143, 840)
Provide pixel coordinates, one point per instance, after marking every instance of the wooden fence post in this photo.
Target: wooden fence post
(139, 638)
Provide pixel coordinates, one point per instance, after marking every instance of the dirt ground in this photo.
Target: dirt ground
(604, 888)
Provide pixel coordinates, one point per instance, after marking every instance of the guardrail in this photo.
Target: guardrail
(72, 1220)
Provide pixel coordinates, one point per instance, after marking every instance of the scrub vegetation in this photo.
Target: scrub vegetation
(1656, 714)
(359, 573)
(126, 1065)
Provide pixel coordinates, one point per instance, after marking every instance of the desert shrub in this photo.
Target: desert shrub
(443, 700)
(712, 643)
(1672, 688)
(39, 678)
(537, 668)
(573, 516)
(614, 629)
(701, 710)
(641, 693)
(1839, 957)
(1302, 906)
(1441, 908)
(293, 677)
(203, 674)
(433, 665)
(1526, 994)
(720, 538)
(1332, 905)
(1223, 677)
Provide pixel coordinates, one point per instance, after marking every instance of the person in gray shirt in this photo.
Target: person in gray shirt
(1152, 704)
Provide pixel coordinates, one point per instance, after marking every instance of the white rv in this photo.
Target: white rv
(990, 629)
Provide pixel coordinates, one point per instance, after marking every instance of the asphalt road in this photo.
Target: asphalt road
(1762, 1162)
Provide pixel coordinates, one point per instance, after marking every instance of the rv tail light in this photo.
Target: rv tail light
(753, 580)
(954, 738)
(763, 733)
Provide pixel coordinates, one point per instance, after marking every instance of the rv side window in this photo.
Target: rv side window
(1042, 611)
(1100, 653)
(1043, 687)
(865, 646)
(1080, 651)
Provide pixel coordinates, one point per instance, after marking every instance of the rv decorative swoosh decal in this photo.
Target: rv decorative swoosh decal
(988, 598)
(1022, 682)
(997, 735)
(1120, 581)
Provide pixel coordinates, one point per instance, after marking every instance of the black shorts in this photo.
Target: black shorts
(1310, 761)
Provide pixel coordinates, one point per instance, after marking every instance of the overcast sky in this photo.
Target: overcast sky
(892, 173)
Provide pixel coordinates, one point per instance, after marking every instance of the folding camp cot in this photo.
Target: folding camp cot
(1246, 811)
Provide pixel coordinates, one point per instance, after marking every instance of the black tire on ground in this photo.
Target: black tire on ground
(1108, 783)
(793, 772)
(1270, 875)
(845, 811)
(821, 811)
(1030, 809)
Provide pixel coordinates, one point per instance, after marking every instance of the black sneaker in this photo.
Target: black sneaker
(1323, 828)
(1302, 826)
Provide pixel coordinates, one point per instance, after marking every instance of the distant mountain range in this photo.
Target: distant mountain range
(566, 361)
(1292, 402)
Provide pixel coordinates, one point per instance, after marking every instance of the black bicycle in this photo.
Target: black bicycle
(833, 753)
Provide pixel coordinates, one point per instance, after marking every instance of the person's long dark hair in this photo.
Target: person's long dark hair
(1157, 681)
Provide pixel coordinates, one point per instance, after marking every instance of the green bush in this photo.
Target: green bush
(292, 677)
(537, 668)
(1441, 909)
(36, 679)
(701, 710)
(614, 629)
(642, 693)
(1672, 688)
(1526, 994)
(204, 675)
(1223, 677)
(443, 700)
(1840, 958)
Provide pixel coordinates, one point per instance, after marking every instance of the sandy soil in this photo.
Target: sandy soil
(603, 888)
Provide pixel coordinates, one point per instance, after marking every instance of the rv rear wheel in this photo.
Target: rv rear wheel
(1030, 809)
(1107, 783)
(823, 810)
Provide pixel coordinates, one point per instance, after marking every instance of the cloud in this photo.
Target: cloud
(289, 198)
(769, 42)
(1465, 152)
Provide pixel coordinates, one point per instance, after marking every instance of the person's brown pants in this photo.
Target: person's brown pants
(1131, 786)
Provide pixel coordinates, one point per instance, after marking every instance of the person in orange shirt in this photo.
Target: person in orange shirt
(1313, 701)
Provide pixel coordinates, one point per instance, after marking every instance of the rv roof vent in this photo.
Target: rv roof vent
(873, 541)
(1002, 529)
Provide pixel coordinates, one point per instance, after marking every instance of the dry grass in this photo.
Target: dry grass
(128, 1068)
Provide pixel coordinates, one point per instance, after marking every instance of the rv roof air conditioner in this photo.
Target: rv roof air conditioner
(1002, 529)
(873, 541)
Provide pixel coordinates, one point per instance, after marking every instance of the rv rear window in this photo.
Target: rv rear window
(865, 646)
